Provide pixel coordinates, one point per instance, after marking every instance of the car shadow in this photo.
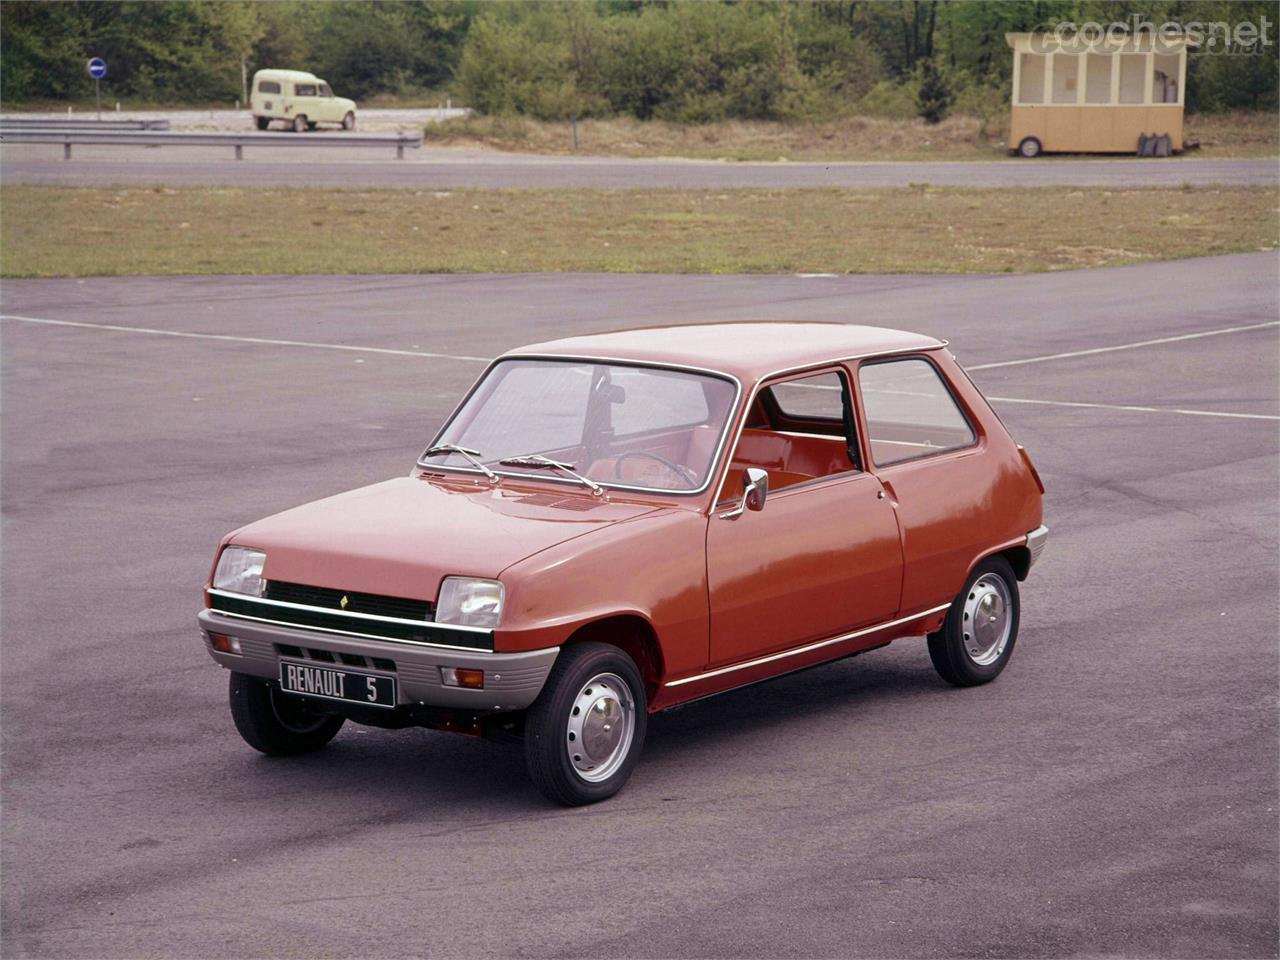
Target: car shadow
(425, 769)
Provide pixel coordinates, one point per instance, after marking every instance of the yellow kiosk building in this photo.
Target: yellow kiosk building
(1096, 94)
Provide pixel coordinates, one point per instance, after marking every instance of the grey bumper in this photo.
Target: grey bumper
(511, 680)
(1036, 540)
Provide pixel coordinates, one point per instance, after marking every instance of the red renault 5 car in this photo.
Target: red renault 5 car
(611, 525)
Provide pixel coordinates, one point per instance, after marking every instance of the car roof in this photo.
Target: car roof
(748, 350)
(287, 74)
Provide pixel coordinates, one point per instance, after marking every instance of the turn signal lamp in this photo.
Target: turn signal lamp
(462, 677)
(224, 644)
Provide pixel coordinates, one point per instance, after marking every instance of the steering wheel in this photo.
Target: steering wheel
(682, 472)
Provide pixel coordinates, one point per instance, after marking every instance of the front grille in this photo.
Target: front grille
(376, 604)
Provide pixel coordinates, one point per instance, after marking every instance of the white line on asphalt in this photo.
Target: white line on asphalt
(1122, 346)
(452, 356)
(1120, 406)
(261, 340)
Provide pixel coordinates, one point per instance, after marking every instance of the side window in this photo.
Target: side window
(802, 436)
(817, 397)
(910, 412)
(304, 89)
(268, 86)
(325, 91)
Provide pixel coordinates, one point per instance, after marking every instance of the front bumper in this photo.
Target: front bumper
(512, 681)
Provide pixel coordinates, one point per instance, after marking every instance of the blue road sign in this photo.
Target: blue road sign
(97, 68)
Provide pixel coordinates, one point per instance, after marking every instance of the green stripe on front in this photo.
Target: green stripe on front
(421, 633)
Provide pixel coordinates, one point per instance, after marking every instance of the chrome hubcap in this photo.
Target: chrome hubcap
(601, 725)
(987, 623)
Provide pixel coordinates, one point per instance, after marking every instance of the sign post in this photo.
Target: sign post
(97, 69)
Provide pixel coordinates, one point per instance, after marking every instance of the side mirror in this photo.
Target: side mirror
(755, 490)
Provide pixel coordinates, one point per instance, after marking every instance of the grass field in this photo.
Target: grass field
(60, 231)
(1241, 134)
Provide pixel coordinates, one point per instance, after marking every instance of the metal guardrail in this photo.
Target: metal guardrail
(79, 123)
(145, 138)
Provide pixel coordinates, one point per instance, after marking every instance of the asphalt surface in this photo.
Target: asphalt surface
(1114, 793)
(441, 167)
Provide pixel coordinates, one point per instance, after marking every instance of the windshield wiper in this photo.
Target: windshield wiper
(538, 460)
(471, 456)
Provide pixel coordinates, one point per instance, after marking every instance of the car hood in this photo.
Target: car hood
(401, 537)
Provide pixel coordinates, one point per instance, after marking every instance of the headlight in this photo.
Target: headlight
(468, 602)
(240, 571)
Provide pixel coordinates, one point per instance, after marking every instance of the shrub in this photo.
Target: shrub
(934, 98)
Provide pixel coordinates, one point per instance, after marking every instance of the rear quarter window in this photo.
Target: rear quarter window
(268, 86)
(910, 411)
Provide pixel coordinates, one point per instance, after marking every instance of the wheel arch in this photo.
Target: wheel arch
(1018, 557)
(635, 636)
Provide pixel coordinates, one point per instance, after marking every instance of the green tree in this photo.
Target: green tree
(934, 97)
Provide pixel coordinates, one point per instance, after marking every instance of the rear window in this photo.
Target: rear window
(910, 412)
(268, 86)
(304, 89)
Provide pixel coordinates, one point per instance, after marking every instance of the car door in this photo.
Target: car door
(326, 106)
(305, 101)
(823, 555)
(929, 453)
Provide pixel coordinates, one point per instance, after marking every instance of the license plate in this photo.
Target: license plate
(329, 684)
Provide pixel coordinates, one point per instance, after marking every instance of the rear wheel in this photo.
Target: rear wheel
(585, 731)
(349, 121)
(262, 122)
(1029, 147)
(977, 638)
(300, 124)
(276, 723)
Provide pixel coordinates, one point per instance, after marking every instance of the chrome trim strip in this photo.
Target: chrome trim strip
(346, 633)
(346, 613)
(705, 371)
(805, 649)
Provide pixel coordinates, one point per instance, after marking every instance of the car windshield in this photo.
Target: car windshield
(616, 424)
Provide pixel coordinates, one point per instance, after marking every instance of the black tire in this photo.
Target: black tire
(1030, 147)
(952, 648)
(300, 124)
(553, 762)
(275, 723)
(349, 121)
(262, 122)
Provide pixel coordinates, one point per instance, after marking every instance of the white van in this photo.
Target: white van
(300, 99)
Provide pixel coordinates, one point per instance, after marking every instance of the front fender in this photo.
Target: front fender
(652, 567)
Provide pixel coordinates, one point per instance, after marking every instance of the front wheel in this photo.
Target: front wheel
(585, 731)
(262, 122)
(1029, 147)
(349, 121)
(276, 723)
(977, 638)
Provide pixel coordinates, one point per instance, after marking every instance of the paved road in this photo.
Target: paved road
(437, 167)
(1114, 793)
(370, 118)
